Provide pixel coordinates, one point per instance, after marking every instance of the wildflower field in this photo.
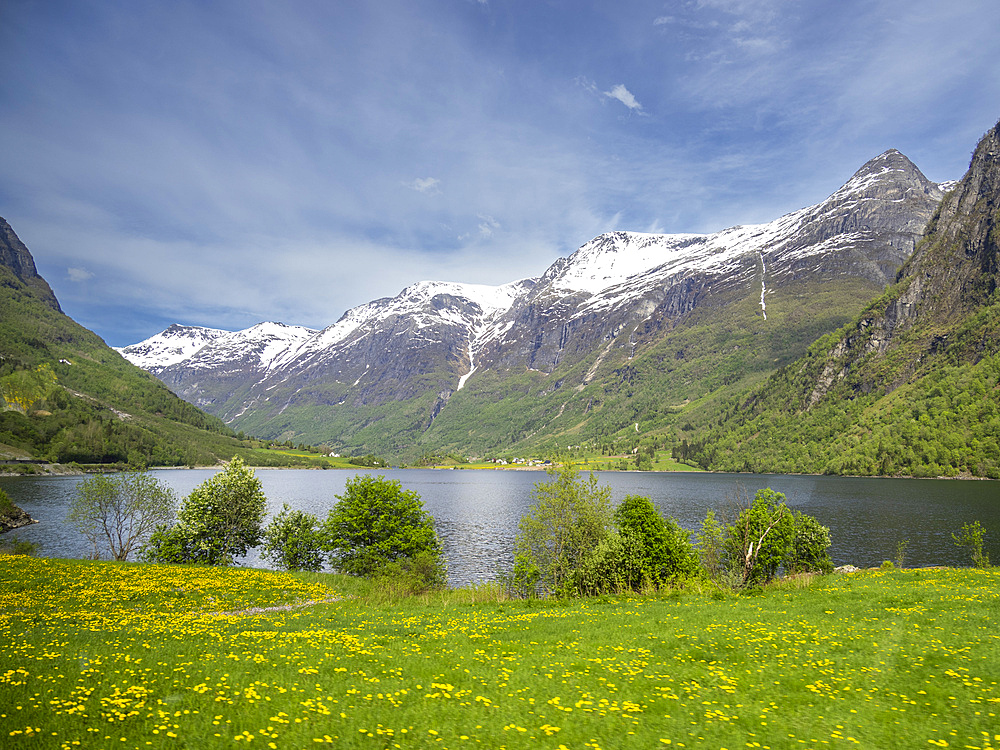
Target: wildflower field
(105, 655)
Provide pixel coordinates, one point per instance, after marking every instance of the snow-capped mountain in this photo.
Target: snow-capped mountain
(612, 299)
(176, 344)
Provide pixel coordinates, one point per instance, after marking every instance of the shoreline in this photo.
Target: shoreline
(59, 470)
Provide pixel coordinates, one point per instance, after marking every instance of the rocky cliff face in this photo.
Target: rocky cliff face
(15, 256)
(951, 275)
(615, 297)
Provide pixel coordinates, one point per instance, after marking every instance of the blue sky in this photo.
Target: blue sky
(224, 163)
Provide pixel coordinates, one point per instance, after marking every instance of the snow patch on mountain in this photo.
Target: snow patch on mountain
(210, 348)
(169, 347)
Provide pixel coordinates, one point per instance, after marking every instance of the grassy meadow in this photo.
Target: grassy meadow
(107, 655)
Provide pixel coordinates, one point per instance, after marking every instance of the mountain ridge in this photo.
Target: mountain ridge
(618, 295)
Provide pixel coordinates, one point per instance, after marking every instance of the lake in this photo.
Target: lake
(477, 512)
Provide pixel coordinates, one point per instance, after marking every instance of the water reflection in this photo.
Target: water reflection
(476, 512)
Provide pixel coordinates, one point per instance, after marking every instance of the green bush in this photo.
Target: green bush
(612, 567)
(522, 580)
(407, 576)
(664, 549)
(712, 548)
(570, 518)
(809, 551)
(17, 546)
(971, 537)
(219, 521)
(293, 541)
(375, 523)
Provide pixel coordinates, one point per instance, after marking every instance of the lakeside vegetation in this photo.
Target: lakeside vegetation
(135, 655)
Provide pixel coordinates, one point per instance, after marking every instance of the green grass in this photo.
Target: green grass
(128, 655)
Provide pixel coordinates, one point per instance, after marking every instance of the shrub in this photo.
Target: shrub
(613, 566)
(712, 547)
(218, 522)
(376, 522)
(971, 538)
(7, 506)
(522, 580)
(663, 548)
(809, 551)
(292, 541)
(407, 576)
(17, 546)
(901, 546)
(570, 518)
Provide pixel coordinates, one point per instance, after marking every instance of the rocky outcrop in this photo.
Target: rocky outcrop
(15, 256)
(12, 517)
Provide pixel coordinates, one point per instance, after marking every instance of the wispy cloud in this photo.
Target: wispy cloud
(625, 96)
(488, 226)
(78, 274)
(425, 185)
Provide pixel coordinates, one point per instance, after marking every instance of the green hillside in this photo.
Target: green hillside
(684, 374)
(78, 400)
(68, 397)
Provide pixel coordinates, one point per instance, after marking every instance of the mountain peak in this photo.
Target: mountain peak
(891, 171)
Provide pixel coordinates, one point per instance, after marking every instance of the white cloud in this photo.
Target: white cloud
(428, 185)
(487, 226)
(625, 96)
(79, 274)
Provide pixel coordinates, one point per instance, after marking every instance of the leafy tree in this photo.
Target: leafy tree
(570, 518)
(757, 543)
(809, 551)
(22, 389)
(376, 522)
(293, 541)
(971, 538)
(664, 548)
(219, 521)
(118, 511)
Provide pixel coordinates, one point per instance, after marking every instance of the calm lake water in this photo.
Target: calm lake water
(476, 512)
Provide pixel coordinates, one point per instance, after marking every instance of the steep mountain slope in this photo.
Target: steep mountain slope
(67, 396)
(16, 259)
(628, 329)
(912, 386)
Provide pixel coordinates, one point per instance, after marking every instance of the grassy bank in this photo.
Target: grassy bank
(128, 655)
